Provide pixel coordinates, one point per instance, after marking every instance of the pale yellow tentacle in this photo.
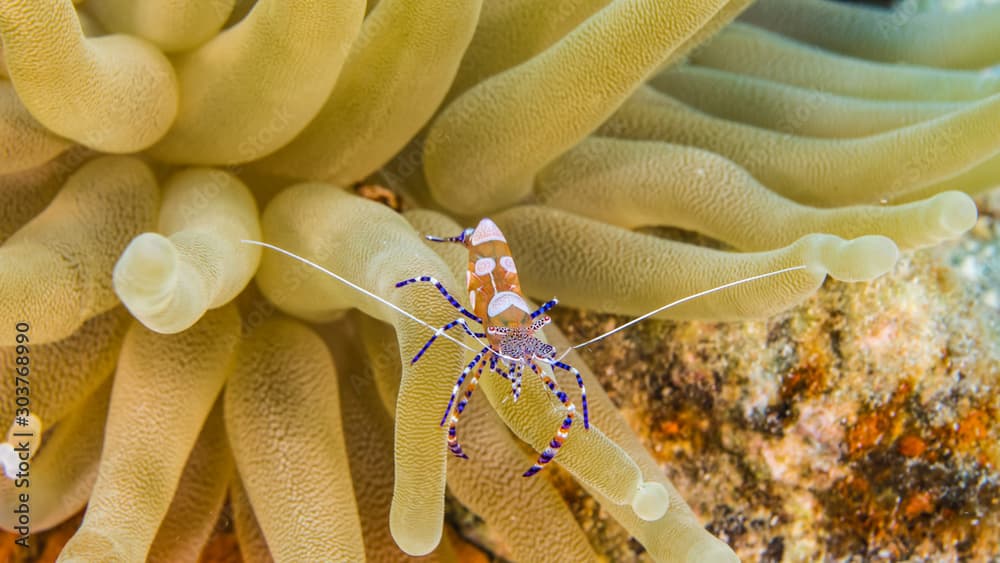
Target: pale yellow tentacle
(397, 73)
(149, 435)
(63, 472)
(195, 262)
(66, 371)
(55, 272)
(484, 149)
(283, 421)
(823, 172)
(791, 109)
(645, 183)
(361, 367)
(253, 87)
(510, 32)
(747, 49)
(977, 180)
(24, 142)
(723, 18)
(25, 194)
(171, 25)
(630, 273)
(114, 93)
(963, 39)
(201, 492)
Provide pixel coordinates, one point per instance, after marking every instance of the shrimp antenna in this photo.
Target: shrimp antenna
(357, 287)
(678, 302)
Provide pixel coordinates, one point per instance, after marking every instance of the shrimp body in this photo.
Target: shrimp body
(510, 324)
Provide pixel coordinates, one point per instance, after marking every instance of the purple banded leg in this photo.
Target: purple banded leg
(461, 379)
(514, 375)
(440, 288)
(557, 441)
(579, 381)
(499, 369)
(457, 322)
(517, 381)
(459, 408)
(508, 375)
(459, 239)
(545, 307)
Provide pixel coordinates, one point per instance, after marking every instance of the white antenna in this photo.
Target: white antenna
(439, 332)
(345, 281)
(678, 302)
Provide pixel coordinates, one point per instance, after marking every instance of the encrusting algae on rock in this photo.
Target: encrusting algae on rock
(173, 367)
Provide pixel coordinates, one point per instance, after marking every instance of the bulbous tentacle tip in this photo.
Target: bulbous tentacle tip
(711, 550)
(23, 439)
(26, 429)
(955, 212)
(146, 274)
(651, 501)
(26, 425)
(861, 259)
(8, 460)
(415, 544)
(88, 545)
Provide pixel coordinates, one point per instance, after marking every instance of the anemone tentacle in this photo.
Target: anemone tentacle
(121, 91)
(791, 109)
(648, 183)
(510, 32)
(59, 264)
(577, 83)
(236, 105)
(367, 357)
(798, 167)
(68, 370)
(370, 245)
(154, 371)
(27, 144)
(196, 505)
(169, 280)
(965, 39)
(25, 194)
(283, 399)
(406, 54)
(65, 468)
(748, 49)
(631, 273)
(171, 25)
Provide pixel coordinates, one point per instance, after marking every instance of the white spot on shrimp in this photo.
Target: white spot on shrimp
(485, 266)
(507, 263)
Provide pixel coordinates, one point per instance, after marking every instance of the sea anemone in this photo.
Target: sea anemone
(173, 365)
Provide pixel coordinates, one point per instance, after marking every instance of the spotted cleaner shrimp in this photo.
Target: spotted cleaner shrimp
(510, 326)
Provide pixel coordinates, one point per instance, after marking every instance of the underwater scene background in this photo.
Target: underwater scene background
(176, 394)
